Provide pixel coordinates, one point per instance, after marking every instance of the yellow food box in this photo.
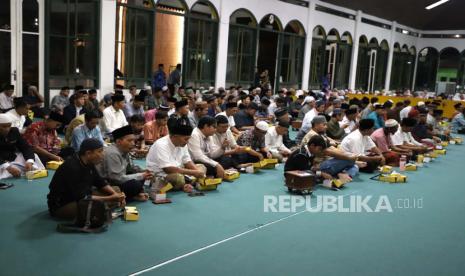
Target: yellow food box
(269, 163)
(444, 144)
(40, 174)
(458, 140)
(53, 165)
(420, 158)
(393, 178)
(131, 214)
(208, 184)
(440, 152)
(432, 154)
(385, 169)
(410, 167)
(230, 175)
(337, 183)
(166, 188)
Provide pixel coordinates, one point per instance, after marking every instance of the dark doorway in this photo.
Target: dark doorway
(267, 54)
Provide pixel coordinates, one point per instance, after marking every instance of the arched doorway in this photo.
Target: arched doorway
(343, 61)
(291, 55)
(363, 62)
(268, 41)
(397, 68)
(372, 60)
(317, 63)
(381, 65)
(428, 59)
(449, 64)
(332, 41)
(242, 49)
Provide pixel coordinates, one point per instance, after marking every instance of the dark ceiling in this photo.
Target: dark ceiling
(412, 13)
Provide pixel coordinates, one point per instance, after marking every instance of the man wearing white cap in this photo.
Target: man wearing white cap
(255, 140)
(307, 105)
(16, 155)
(382, 139)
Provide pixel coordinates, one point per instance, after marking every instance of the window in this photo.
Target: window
(293, 48)
(30, 43)
(72, 42)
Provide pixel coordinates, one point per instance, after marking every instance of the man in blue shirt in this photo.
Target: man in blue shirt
(87, 130)
(159, 78)
(135, 108)
(377, 115)
(458, 123)
(245, 119)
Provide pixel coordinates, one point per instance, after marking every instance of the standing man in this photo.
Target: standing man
(159, 78)
(174, 79)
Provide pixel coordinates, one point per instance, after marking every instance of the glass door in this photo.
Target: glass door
(331, 54)
(7, 73)
(372, 71)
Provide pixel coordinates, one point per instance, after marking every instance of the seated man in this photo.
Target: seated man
(181, 112)
(169, 158)
(74, 109)
(377, 115)
(89, 129)
(60, 101)
(332, 160)
(117, 166)
(6, 98)
(43, 137)
(136, 107)
(19, 114)
(16, 155)
(200, 110)
(74, 180)
(303, 158)
(199, 146)
(230, 111)
(421, 132)
(359, 144)
(254, 141)
(245, 118)
(274, 140)
(137, 124)
(458, 123)
(382, 139)
(307, 121)
(156, 129)
(282, 114)
(35, 101)
(113, 116)
(403, 137)
(79, 120)
(334, 130)
(350, 122)
(223, 145)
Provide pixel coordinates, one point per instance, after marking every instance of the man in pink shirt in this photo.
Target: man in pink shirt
(382, 139)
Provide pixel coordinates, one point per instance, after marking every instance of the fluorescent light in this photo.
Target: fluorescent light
(436, 4)
(457, 36)
(404, 31)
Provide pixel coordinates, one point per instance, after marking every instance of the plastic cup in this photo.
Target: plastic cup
(29, 175)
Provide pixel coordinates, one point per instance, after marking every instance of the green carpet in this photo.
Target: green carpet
(427, 241)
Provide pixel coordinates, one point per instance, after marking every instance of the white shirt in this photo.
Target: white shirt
(78, 111)
(400, 138)
(217, 143)
(404, 112)
(171, 111)
(5, 101)
(199, 148)
(274, 142)
(163, 154)
(357, 144)
(307, 121)
(113, 119)
(352, 125)
(18, 120)
(232, 123)
(272, 108)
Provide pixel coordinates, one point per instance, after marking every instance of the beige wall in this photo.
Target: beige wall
(168, 41)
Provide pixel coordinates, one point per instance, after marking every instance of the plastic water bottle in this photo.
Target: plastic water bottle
(402, 162)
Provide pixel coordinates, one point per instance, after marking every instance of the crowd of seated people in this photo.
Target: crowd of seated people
(202, 133)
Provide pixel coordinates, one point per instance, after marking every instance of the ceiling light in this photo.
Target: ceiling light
(404, 31)
(457, 36)
(436, 4)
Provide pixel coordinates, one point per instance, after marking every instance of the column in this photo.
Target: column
(222, 48)
(354, 59)
(390, 56)
(107, 46)
(308, 45)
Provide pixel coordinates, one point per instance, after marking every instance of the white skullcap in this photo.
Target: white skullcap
(262, 125)
(5, 119)
(246, 91)
(391, 123)
(308, 99)
(420, 103)
(299, 93)
(164, 88)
